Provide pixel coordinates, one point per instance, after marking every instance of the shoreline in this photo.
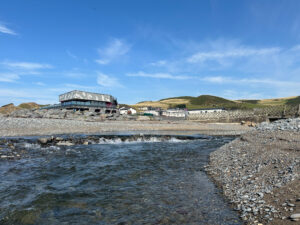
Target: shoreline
(11, 127)
(259, 174)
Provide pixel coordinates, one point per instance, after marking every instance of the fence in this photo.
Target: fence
(255, 115)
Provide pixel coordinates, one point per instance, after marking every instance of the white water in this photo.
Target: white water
(139, 140)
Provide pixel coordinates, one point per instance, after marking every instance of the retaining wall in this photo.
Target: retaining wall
(254, 115)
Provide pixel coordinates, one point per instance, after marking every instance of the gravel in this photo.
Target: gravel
(287, 124)
(40, 126)
(260, 173)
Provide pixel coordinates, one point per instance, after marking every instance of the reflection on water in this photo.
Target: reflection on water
(144, 182)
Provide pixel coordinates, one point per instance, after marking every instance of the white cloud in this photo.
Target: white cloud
(39, 83)
(159, 75)
(249, 81)
(75, 74)
(19, 95)
(5, 30)
(238, 95)
(107, 81)
(158, 63)
(26, 65)
(231, 53)
(82, 87)
(8, 77)
(71, 54)
(115, 49)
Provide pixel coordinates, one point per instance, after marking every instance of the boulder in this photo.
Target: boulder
(295, 217)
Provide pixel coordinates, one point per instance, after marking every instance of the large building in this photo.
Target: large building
(82, 101)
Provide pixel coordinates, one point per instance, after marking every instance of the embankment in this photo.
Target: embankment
(35, 126)
(260, 173)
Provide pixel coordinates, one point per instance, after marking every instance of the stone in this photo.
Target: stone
(295, 217)
(65, 143)
(43, 140)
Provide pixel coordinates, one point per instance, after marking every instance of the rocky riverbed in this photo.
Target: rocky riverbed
(260, 173)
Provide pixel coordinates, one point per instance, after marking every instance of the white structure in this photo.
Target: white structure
(144, 108)
(153, 112)
(86, 96)
(200, 111)
(131, 111)
(124, 111)
(175, 113)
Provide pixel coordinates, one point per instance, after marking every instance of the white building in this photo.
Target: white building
(131, 111)
(125, 111)
(151, 112)
(200, 111)
(175, 113)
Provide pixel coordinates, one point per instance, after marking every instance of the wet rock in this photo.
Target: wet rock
(59, 139)
(44, 140)
(65, 143)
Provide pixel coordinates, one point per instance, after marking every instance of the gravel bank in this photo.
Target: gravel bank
(260, 173)
(34, 126)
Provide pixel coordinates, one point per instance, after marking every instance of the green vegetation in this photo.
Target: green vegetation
(29, 105)
(293, 101)
(251, 101)
(209, 101)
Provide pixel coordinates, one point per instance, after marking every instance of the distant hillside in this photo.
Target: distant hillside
(6, 109)
(295, 100)
(209, 101)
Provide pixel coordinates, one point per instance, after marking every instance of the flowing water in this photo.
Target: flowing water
(114, 181)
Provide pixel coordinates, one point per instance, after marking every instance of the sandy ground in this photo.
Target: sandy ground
(30, 126)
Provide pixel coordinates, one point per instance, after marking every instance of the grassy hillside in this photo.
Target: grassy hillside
(209, 101)
(6, 109)
(295, 100)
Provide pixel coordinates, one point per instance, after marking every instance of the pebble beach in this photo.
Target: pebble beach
(37, 126)
(259, 173)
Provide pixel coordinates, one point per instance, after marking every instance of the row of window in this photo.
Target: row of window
(88, 103)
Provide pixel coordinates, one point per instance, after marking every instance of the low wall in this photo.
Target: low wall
(254, 115)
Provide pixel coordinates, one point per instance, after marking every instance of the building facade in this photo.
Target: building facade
(87, 101)
(208, 110)
(179, 113)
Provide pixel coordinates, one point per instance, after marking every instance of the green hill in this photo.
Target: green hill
(209, 101)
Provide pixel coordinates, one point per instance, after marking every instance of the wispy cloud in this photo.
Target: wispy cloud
(160, 75)
(26, 65)
(39, 83)
(112, 51)
(158, 63)
(108, 81)
(5, 30)
(78, 86)
(231, 53)
(8, 77)
(71, 55)
(249, 81)
(19, 95)
(75, 74)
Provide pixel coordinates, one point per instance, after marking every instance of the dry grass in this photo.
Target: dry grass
(275, 101)
(176, 101)
(152, 104)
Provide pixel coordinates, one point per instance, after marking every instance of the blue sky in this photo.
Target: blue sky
(147, 50)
